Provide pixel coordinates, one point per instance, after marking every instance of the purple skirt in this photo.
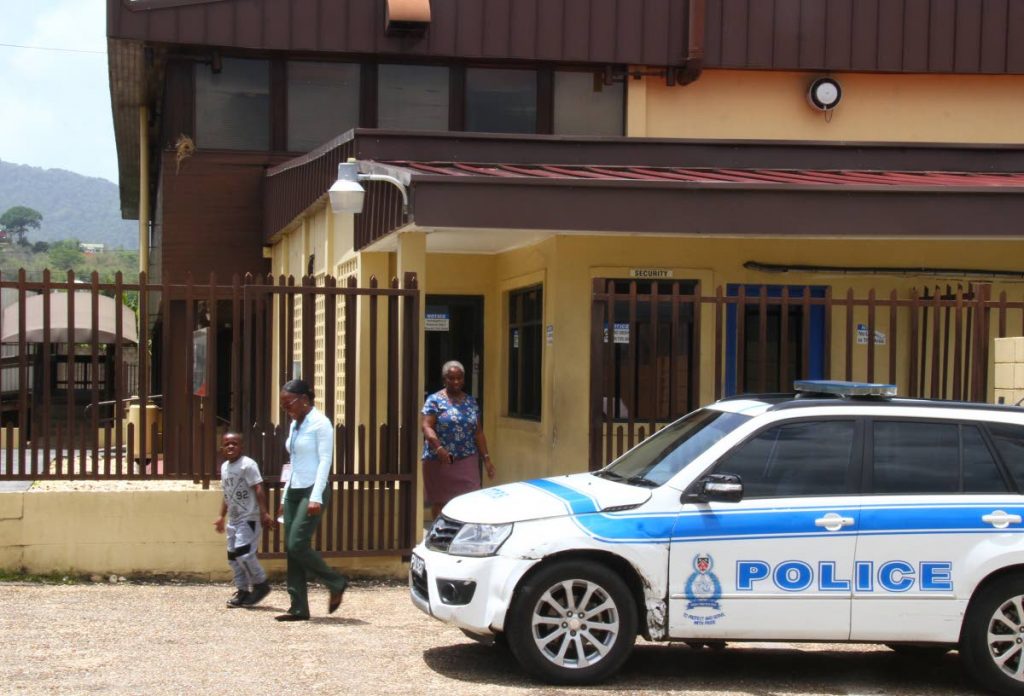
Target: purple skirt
(443, 482)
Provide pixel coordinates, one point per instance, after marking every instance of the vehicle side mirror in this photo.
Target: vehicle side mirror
(723, 488)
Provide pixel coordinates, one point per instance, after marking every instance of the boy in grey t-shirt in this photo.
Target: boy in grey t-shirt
(245, 508)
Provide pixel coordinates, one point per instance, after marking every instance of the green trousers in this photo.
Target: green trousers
(303, 560)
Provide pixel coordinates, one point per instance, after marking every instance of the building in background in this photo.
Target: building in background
(616, 210)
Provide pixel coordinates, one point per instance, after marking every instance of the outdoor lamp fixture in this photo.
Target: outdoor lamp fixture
(347, 193)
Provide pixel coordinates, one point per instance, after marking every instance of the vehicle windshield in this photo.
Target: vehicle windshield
(663, 455)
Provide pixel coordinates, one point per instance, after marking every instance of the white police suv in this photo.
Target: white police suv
(839, 513)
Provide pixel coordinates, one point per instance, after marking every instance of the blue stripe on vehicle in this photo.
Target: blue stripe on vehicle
(576, 502)
(775, 522)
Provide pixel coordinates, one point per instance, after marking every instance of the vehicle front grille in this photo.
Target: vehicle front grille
(419, 585)
(442, 532)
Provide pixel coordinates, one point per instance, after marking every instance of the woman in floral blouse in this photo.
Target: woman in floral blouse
(453, 441)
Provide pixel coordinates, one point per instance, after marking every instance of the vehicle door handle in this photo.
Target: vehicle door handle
(1000, 519)
(833, 522)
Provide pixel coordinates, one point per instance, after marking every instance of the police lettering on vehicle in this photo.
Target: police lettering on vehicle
(889, 576)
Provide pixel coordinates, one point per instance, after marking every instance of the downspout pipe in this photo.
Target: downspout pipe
(690, 72)
(143, 189)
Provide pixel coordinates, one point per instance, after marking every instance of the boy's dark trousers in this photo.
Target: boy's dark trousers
(303, 559)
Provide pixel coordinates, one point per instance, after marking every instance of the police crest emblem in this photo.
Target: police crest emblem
(703, 590)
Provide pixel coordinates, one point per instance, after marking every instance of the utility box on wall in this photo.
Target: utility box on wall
(1008, 375)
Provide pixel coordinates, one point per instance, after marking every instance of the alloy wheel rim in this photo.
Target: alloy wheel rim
(1005, 638)
(575, 623)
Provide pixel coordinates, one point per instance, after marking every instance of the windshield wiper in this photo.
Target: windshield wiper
(608, 473)
(641, 480)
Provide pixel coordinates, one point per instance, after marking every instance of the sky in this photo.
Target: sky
(55, 104)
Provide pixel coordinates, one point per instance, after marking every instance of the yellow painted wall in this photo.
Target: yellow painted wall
(567, 264)
(874, 107)
(131, 532)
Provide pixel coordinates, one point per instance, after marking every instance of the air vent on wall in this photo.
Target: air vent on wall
(406, 17)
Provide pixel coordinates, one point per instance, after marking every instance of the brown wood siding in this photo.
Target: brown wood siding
(213, 215)
(650, 32)
(914, 36)
(957, 36)
(178, 104)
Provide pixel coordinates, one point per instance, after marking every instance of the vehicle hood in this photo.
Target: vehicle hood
(575, 494)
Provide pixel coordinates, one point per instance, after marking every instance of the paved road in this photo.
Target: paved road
(174, 639)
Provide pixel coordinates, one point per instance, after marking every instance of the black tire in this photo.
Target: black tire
(998, 663)
(561, 649)
(920, 651)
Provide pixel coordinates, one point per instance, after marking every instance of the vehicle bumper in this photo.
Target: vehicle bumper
(493, 580)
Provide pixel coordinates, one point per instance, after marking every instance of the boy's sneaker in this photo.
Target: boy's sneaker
(238, 599)
(259, 591)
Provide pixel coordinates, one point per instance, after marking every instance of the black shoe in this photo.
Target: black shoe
(238, 599)
(259, 592)
(335, 599)
(290, 617)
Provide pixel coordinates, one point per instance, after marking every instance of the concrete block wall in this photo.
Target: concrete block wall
(1008, 370)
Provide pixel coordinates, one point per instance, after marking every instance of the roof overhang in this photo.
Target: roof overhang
(493, 189)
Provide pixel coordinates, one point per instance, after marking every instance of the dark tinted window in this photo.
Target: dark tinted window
(919, 457)
(980, 471)
(323, 102)
(586, 106)
(1009, 441)
(412, 97)
(916, 457)
(501, 100)
(233, 105)
(795, 459)
(525, 345)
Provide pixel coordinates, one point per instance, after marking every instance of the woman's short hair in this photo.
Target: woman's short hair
(298, 387)
(449, 365)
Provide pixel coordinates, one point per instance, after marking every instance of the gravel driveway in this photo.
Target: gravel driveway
(148, 639)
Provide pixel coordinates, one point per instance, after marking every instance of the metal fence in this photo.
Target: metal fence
(659, 348)
(81, 402)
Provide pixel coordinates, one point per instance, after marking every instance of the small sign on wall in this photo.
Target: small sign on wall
(436, 320)
(621, 333)
(650, 273)
(862, 336)
(550, 333)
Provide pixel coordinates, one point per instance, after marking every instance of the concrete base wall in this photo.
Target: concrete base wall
(131, 533)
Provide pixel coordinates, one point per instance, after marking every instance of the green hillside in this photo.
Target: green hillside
(73, 206)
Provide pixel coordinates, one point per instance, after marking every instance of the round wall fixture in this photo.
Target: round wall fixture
(824, 94)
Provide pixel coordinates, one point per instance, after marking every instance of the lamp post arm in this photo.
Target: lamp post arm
(393, 180)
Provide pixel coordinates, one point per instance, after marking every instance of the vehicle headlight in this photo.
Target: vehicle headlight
(479, 539)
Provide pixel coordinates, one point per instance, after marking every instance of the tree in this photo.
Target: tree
(19, 220)
(65, 254)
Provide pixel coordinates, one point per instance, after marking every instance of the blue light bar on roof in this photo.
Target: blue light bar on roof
(839, 388)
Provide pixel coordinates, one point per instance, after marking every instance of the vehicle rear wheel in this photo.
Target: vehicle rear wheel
(572, 623)
(992, 641)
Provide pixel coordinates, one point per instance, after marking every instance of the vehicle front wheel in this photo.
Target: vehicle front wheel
(572, 623)
(992, 641)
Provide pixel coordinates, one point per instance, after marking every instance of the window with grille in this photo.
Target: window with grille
(525, 348)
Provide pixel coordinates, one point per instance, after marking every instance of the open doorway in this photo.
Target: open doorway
(454, 329)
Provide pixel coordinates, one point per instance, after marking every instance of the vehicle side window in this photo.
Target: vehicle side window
(794, 459)
(980, 471)
(921, 457)
(1009, 441)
